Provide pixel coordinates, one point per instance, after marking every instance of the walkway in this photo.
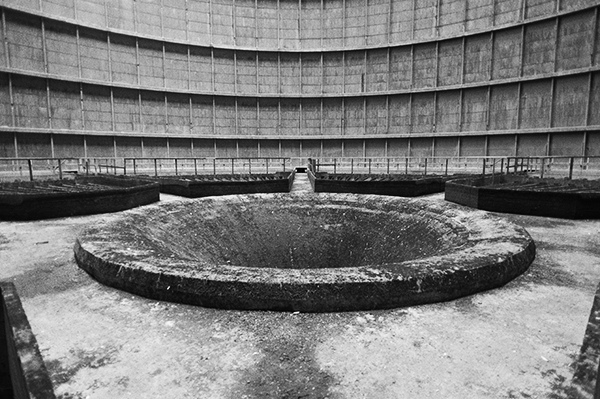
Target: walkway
(301, 184)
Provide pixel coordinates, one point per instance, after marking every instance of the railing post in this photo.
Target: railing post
(507, 165)
(155, 168)
(59, 169)
(195, 167)
(502, 166)
(425, 167)
(249, 166)
(570, 168)
(369, 165)
(267, 165)
(406, 166)
(134, 167)
(351, 166)
(334, 165)
(30, 169)
(388, 166)
(114, 166)
(214, 166)
(232, 167)
(446, 168)
(542, 168)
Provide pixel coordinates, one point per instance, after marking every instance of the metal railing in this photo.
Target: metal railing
(556, 167)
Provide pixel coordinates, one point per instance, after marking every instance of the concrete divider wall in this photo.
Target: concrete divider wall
(24, 364)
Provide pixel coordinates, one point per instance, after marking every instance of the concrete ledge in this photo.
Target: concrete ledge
(23, 374)
(304, 253)
(394, 185)
(83, 196)
(569, 199)
(210, 185)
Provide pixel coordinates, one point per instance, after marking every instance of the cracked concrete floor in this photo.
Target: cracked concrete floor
(518, 341)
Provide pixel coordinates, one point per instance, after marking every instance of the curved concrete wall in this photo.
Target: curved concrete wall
(305, 78)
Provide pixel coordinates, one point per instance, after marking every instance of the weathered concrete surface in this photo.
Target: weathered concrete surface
(314, 253)
(517, 341)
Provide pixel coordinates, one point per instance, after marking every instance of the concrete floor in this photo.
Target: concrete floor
(518, 341)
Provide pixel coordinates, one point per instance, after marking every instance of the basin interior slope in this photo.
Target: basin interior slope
(312, 253)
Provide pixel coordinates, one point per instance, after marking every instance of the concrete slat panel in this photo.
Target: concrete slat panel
(68, 146)
(121, 15)
(64, 8)
(248, 148)
(268, 116)
(539, 47)
(480, 14)
(225, 119)
(247, 115)
(311, 73)
(377, 70)
(176, 67)
(377, 22)
(452, 17)
(575, 41)
(179, 147)
(33, 5)
(332, 116)
(30, 103)
(34, 145)
(97, 111)
(501, 145)
(576, 4)
(400, 68)
(174, 20)
(122, 59)
(448, 111)
(151, 64)
(450, 62)
(93, 55)
(198, 21)
(202, 115)
(24, 37)
(333, 20)
(536, 103)
(310, 24)
(333, 73)
(539, 8)
(290, 148)
(178, 113)
(126, 111)
(5, 107)
(203, 148)
(311, 117)
(310, 148)
(570, 100)
(422, 112)
(594, 117)
(100, 146)
(65, 105)
(200, 70)
(290, 73)
(245, 23)
(507, 11)
(354, 78)
(267, 17)
(504, 107)
(532, 145)
(268, 71)
(290, 117)
(424, 19)
(566, 144)
(246, 72)
(224, 75)
(154, 112)
(592, 148)
(377, 115)
(399, 114)
(355, 23)
(353, 148)
(155, 147)
(222, 22)
(446, 147)
(507, 54)
(424, 69)
(401, 25)
(129, 146)
(270, 149)
(474, 109)
(472, 146)
(374, 147)
(397, 148)
(354, 116)
(421, 147)
(478, 51)
(289, 35)
(61, 49)
(332, 148)
(91, 12)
